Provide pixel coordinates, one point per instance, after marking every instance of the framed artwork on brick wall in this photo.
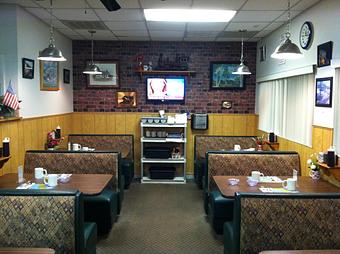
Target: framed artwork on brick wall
(108, 78)
(221, 76)
(126, 99)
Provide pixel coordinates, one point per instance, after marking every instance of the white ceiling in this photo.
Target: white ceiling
(260, 17)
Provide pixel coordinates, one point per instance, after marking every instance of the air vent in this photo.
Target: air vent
(84, 25)
(237, 34)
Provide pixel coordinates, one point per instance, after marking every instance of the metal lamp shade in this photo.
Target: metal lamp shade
(287, 50)
(92, 69)
(51, 53)
(242, 70)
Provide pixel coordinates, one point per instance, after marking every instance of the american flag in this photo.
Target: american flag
(10, 98)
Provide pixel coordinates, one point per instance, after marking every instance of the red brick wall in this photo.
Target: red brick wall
(198, 96)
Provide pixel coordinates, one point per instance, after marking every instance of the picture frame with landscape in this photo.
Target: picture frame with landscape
(221, 76)
(49, 76)
(27, 68)
(323, 92)
(108, 78)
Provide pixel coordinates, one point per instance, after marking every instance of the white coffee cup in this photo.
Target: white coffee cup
(148, 134)
(289, 184)
(39, 173)
(237, 147)
(76, 147)
(51, 180)
(256, 175)
(85, 148)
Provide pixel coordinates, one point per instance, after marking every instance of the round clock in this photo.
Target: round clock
(306, 35)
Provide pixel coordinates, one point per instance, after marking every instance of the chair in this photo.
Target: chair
(47, 219)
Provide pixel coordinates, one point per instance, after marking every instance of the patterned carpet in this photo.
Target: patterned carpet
(160, 219)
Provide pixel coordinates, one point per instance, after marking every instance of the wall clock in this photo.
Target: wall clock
(306, 35)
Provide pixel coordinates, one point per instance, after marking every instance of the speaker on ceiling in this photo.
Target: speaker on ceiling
(111, 5)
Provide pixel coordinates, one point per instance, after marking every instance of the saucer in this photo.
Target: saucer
(252, 182)
(233, 181)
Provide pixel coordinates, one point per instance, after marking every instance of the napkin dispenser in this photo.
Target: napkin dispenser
(199, 122)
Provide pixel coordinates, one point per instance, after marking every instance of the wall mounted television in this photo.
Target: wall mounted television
(166, 89)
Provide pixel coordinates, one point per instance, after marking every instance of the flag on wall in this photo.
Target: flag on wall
(10, 98)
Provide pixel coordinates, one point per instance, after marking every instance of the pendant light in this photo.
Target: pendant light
(91, 68)
(51, 53)
(287, 50)
(242, 69)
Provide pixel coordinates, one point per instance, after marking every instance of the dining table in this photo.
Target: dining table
(26, 251)
(305, 184)
(300, 252)
(88, 184)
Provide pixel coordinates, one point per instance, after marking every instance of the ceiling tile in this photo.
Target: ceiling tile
(254, 39)
(304, 4)
(68, 31)
(120, 15)
(256, 16)
(199, 39)
(228, 39)
(273, 26)
(263, 33)
(201, 34)
(174, 26)
(24, 3)
(123, 3)
(167, 34)
(75, 37)
(166, 39)
(206, 26)
(218, 4)
(56, 23)
(265, 5)
(284, 17)
(39, 12)
(174, 4)
(256, 26)
(136, 33)
(134, 38)
(99, 35)
(126, 25)
(75, 14)
(63, 4)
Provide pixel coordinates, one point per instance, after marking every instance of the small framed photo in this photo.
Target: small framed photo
(325, 54)
(221, 76)
(108, 78)
(323, 92)
(262, 53)
(49, 76)
(27, 68)
(126, 99)
(66, 76)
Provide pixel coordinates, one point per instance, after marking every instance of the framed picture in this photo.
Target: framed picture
(221, 76)
(108, 78)
(126, 99)
(49, 76)
(66, 76)
(323, 92)
(325, 54)
(27, 68)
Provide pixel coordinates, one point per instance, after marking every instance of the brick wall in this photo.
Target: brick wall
(198, 96)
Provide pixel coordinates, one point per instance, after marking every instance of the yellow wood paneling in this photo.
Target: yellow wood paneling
(29, 134)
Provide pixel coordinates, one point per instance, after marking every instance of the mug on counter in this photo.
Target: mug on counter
(237, 147)
(51, 180)
(289, 184)
(39, 173)
(76, 147)
(256, 175)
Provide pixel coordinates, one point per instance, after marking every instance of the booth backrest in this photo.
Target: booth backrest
(122, 143)
(286, 222)
(42, 218)
(243, 162)
(74, 162)
(204, 143)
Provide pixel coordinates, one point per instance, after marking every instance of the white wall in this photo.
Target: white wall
(8, 46)
(325, 17)
(33, 36)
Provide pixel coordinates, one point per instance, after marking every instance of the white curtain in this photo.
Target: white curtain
(336, 93)
(285, 106)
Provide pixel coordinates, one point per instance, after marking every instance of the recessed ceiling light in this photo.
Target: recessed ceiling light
(188, 15)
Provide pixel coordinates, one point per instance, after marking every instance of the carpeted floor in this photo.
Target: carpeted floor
(161, 219)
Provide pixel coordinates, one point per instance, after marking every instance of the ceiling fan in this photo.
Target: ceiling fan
(111, 5)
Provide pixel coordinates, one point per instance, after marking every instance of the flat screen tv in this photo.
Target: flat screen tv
(165, 90)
